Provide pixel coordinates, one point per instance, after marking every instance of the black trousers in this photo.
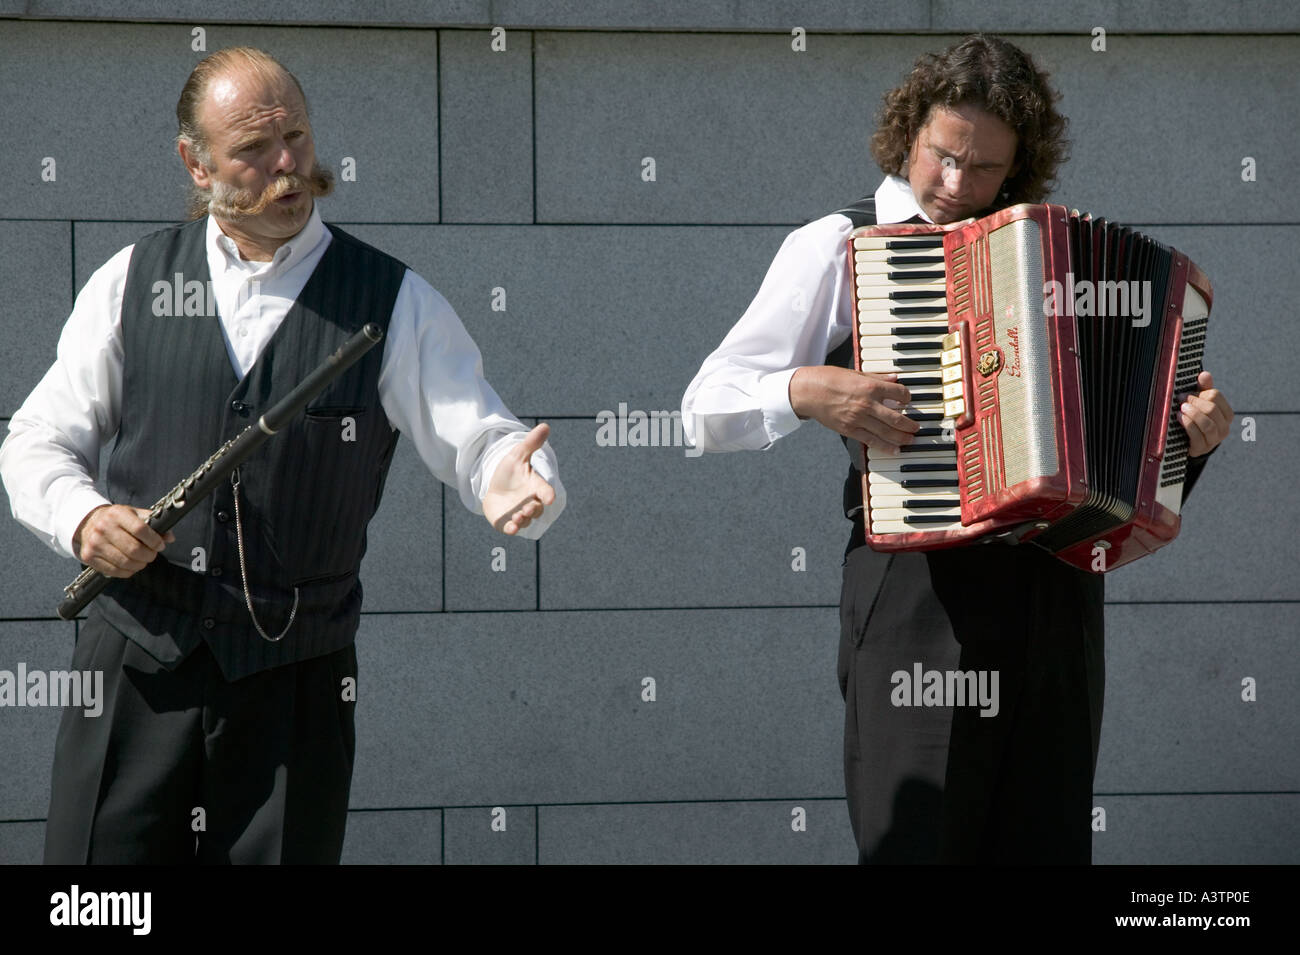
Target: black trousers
(935, 783)
(184, 767)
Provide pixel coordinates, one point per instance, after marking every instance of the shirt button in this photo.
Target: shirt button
(216, 571)
(243, 333)
(208, 623)
(223, 516)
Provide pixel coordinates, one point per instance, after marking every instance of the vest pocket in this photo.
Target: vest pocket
(328, 493)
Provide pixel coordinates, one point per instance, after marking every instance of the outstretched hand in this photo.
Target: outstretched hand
(518, 495)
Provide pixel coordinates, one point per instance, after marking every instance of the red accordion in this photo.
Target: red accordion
(1045, 352)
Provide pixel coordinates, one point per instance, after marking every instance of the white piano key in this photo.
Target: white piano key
(886, 465)
(886, 326)
(891, 367)
(895, 495)
(877, 308)
(896, 512)
(898, 527)
(878, 242)
(877, 290)
(881, 255)
(884, 266)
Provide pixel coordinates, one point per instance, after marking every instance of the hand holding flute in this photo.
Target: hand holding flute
(117, 541)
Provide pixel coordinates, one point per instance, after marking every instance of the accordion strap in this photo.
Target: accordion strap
(860, 213)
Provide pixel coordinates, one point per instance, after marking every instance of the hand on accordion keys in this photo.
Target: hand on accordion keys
(855, 404)
(1206, 416)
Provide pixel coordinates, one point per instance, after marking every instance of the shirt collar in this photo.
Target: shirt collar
(895, 202)
(286, 256)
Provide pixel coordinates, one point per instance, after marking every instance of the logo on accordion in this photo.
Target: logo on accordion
(1013, 339)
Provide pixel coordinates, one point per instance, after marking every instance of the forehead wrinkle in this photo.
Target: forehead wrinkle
(239, 106)
(963, 143)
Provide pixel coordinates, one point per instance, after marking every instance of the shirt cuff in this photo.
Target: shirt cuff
(72, 511)
(779, 418)
(543, 462)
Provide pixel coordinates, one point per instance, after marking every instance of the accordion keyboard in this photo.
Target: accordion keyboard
(902, 322)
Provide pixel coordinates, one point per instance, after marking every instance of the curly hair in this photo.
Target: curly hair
(996, 76)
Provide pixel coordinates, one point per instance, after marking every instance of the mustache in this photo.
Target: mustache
(227, 202)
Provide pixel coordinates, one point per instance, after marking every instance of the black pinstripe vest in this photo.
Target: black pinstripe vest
(306, 495)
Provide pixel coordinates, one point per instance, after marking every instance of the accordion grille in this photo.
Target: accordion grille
(1027, 423)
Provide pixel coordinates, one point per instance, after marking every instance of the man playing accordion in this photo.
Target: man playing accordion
(970, 131)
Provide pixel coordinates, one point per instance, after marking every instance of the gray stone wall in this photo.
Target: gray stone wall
(519, 692)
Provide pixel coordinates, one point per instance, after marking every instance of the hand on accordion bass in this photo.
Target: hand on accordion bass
(1206, 416)
(859, 405)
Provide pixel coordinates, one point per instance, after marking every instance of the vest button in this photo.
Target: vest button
(239, 407)
(223, 516)
(208, 623)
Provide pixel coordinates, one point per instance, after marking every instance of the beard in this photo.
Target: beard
(232, 204)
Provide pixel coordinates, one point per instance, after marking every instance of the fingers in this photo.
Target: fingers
(881, 423)
(884, 437)
(531, 509)
(117, 542)
(1205, 424)
(887, 388)
(142, 532)
(532, 442)
(884, 426)
(1206, 416)
(544, 493)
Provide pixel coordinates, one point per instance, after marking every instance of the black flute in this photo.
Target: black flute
(186, 495)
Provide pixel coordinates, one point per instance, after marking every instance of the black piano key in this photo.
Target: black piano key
(902, 310)
(920, 397)
(914, 260)
(911, 380)
(935, 242)
(930, 519)
(928, 482)
(927, 362)
(914, 295)
(905, 330)
(926, 466)
(925, 448)
(930, 432)
(917, 346)
(929, 275)
(924, 415)
(922, 503)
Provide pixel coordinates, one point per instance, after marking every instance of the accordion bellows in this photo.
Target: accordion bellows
(1045, 352)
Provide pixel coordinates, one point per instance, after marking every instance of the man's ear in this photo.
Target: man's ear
(197, 170)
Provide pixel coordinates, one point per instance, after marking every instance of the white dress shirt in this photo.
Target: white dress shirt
(740, 398)
(431, 386)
